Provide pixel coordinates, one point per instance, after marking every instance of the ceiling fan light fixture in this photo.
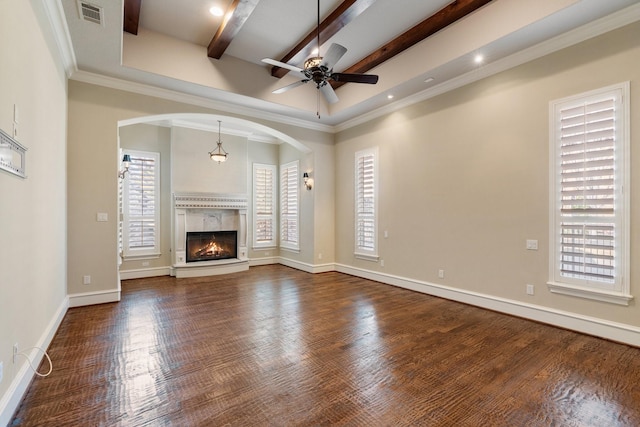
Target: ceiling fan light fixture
(216, 11)
(312, 62)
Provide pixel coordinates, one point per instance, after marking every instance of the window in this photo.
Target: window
(141, 205)
(289, 232)
(590, 176)
(264, 210)
(366, 204)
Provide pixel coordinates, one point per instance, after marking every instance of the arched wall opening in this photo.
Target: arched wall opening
(183, 142)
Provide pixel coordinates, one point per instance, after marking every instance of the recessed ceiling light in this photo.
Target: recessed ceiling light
(429, 79)
(216, 11)
(389, 96)
(478, 59)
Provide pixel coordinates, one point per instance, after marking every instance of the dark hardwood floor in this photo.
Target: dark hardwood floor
(278, 347)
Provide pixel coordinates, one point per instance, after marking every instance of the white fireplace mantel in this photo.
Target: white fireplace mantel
(208, 212)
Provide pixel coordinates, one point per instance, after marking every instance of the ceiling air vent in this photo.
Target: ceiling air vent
(90, 12)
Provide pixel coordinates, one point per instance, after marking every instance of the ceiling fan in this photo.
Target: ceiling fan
(319, 70)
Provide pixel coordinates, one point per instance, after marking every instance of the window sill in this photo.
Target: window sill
(593, 294)
(264, 248)
(367, 257)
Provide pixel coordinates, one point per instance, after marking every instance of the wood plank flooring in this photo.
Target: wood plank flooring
(279, 347)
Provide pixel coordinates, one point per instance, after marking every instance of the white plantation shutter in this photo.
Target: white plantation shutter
(141, 205)
(289, 232)
(365, 203)
(264, 194)
(589, 208)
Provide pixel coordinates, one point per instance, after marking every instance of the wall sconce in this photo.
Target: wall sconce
(126, 161)
(308, 182)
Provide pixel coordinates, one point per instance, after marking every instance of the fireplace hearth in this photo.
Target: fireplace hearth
(211, 245)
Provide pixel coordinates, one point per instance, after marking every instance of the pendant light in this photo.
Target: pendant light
(218, 154)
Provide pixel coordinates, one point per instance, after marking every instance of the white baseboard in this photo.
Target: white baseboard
(145, 272)
(309, 268)
(254, 262)
(614, 331)
(14, 394)
(91, 298)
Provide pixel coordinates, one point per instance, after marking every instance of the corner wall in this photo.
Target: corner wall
(464, 181)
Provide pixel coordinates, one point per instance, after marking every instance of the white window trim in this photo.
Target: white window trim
(286, 245)
(150, 253)
(621, 295)
(273, 243)
(359, 253)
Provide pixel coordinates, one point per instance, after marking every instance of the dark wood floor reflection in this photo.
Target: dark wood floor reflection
(279, 347)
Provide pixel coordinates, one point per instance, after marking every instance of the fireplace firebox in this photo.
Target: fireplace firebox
(211, 245)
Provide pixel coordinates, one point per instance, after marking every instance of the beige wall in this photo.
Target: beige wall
(32, 210)
(192, 169)
(94, 113)
(464, 178)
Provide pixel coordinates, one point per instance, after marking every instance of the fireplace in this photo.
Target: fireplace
(203, 243)
(211, 245)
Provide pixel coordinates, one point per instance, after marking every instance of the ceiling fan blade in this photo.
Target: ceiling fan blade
(333, 55)
(329, 93)
(289, 87)
(355, 78)
(282, 64)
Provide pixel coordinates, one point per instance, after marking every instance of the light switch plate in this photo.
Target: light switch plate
(532, 245)
(102, 217)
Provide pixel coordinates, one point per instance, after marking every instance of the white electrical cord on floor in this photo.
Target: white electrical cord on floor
(35, 370)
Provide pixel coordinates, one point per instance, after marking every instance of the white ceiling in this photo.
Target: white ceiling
(500, 30)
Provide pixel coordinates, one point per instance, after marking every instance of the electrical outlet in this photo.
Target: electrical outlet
(145, 263)
(86, 280)
(440, 274)
(320, 255)
(15, 352)
(530, 290)
(381, 263)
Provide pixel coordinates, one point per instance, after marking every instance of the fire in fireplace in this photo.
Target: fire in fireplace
(211, 245)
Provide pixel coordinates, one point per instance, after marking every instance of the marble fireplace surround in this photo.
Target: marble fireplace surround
(208, 212)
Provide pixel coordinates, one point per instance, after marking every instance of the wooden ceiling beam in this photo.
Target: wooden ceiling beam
(131, 16)
(436, 22)
(341, 16)
(234, 19)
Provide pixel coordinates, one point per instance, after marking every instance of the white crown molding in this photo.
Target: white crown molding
(171, 95)
(250, 135)
(58, 23)
(593, 29)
